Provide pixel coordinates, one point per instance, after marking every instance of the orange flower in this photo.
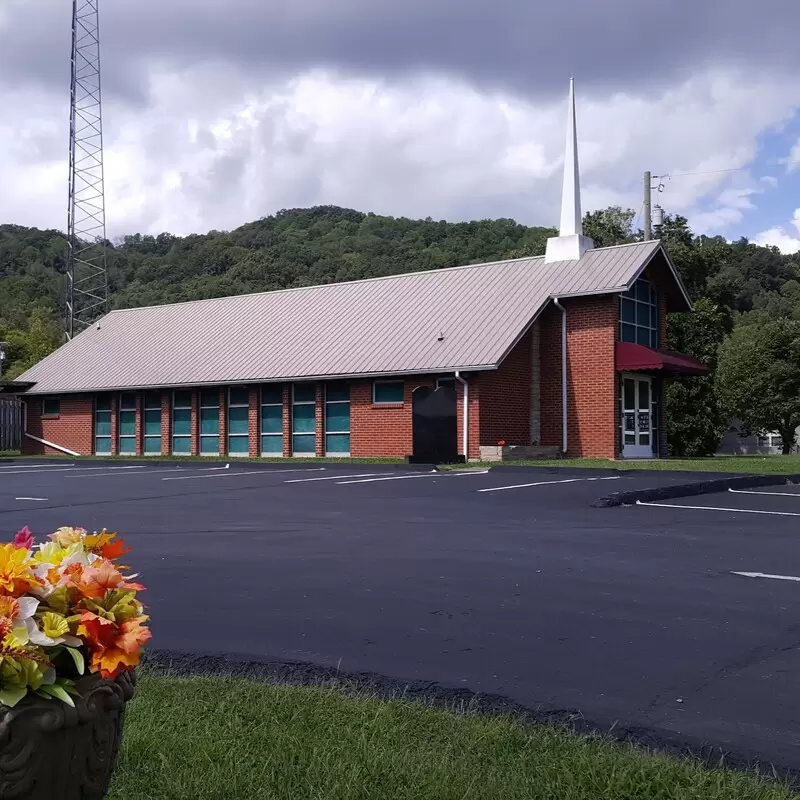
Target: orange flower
(102, 544)
(16, 576)
(97, 580)
(113, 647)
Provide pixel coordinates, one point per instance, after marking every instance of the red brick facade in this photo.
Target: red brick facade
(519, 403)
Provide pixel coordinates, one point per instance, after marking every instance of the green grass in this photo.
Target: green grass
(219, 738)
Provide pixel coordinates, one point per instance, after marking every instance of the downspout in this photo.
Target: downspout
(465, 415)
(564, 440)
(36, 438)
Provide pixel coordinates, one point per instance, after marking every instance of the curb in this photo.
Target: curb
(633, 496)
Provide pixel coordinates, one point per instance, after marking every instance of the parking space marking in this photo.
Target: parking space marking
(247, 472)
(434, 473)
(8, 467)
(767, 575)
(773, 494)
(28, 471)
(120, 474)
(30, 498)
(338, 477)
(714, 508)
(547, 483)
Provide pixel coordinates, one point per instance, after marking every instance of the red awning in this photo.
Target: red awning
(638, 358)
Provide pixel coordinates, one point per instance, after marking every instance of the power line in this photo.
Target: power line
(716, 171)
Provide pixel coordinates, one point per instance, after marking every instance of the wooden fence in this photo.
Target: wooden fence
(10, 424)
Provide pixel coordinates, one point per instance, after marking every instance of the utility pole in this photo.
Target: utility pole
(648, 206)
(87, 281)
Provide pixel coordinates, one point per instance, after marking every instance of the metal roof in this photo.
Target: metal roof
(419, 322)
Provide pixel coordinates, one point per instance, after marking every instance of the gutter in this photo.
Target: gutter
(564, 437)
(465, 415)
(42, 441)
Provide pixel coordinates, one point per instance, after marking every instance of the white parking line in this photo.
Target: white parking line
(69, 469)
(714, 508)
(120, 474)
(30, 498)
(767, 575)
(239, 474)
(338, 477)
(8, 467)
(773, 494)
(434, 473)
(546, 483)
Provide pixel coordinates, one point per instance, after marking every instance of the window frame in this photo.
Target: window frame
(126, 438)
(200, 409)
(51, 414)
(182, 436)
(652, 304)
(145, 436)
(448, 380)
(384, 403)
(294, 434)
(275, 435)
(327, 432)
(245, 436)
(109, 437)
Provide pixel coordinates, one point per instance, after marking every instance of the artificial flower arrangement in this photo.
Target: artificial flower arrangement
(62, 602)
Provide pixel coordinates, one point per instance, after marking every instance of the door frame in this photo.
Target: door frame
(636, 449)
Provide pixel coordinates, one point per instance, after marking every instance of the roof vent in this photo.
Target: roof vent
(440, 337)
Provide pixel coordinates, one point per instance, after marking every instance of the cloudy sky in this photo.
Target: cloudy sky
(218, 113)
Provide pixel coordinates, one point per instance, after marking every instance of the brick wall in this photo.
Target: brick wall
(505, 398)
(73, 428)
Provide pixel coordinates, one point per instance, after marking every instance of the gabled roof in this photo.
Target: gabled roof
(420, 322)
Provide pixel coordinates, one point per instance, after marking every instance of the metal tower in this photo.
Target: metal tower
(87, 280)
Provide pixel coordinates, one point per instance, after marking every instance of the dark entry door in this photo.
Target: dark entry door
(435, 426)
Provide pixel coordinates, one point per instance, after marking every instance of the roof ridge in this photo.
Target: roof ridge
(434, 271)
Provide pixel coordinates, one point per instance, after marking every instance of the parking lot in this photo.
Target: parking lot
(504, 581)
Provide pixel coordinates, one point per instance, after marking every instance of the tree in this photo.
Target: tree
(695, 420)
(610, 226)
(758, 377)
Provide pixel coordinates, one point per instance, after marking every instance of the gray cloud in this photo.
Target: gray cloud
(526, 47)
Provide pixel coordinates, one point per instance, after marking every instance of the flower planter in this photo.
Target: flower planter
(50, 751)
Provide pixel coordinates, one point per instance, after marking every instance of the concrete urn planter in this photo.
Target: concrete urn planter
(50, 751)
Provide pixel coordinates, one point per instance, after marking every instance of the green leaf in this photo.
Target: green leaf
(58, 692)
(77, 657)
(11, 695)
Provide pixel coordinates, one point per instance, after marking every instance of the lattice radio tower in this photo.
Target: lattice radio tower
(87, 279)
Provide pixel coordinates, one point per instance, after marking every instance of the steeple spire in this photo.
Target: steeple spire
(570, 244)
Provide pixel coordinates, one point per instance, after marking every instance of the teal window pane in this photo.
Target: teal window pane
(103, 402)
(209, 421)
(128, 401)
(152, 422)
(102, 445)
(182, 421)
(303, 444)
(272, 444)
(628, 333)
(305, 393)
(239, 420)
(127, 446)
(181, 444)
(272, 394)
(182, 399)
(272, 419)
(51, 407)
(304, 419)
(388, 392)
(102, 423)
(152, 400)
(152, 445)
(239, 396)
(337, 417)
(337, 443)
(127, 423)
(628, 310)
(209, 398)
(337, 391)
(238, 445)
(209, 444)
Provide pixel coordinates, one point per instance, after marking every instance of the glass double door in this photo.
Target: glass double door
(637, 416)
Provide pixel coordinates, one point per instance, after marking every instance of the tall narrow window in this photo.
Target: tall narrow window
(272, 420)
(126, 424)
(337, 419)
(102, 425)
(182, 423)
(639, 314)
(239, 421)
(304, 414)
(209, 422)
(152, 423)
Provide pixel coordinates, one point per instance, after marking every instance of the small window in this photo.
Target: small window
(387, 392)
(446, 383)
(51, 407)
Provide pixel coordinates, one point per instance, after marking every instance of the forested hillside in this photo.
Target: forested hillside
(733, 282)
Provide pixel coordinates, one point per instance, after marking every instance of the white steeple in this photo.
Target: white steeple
(570, 244)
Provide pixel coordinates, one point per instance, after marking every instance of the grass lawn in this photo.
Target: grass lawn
(215, 738)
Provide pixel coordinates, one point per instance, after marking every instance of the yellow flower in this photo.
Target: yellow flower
(54, 625)
(16, 576)
(67, 536)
